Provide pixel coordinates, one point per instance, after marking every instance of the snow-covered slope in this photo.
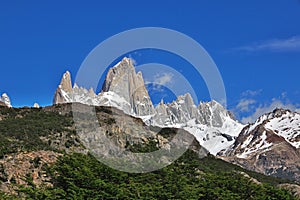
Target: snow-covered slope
(285, 124)
(268, 130)
(269, 146)
(215, 138)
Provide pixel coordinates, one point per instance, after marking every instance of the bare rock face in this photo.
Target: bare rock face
(17, 166)
(126, 83)
(63, 90)
(5, 101)
(66, 83)
(270, 145)
(118, 131)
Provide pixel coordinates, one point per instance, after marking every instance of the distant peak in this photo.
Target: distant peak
(5, 99)
(127, 60)
(280, 110)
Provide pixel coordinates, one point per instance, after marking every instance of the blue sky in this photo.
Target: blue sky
(255, 44)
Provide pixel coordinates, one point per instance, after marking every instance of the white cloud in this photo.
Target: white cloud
(263, 109)
(287, 44)
(159, 80)
(163, 79)
(248, 109)
(251, 93)
(244, 105)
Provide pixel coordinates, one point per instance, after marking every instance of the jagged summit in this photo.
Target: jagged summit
(124, 88)
(119, 74)
(5, 100)
(66, 82)
(63, 89)
(126, 83)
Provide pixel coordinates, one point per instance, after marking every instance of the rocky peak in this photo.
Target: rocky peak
(66, 82)
(117, 75)
(64, 90)
(126, 83)
(278, 112)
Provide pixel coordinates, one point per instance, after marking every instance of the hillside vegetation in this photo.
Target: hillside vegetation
(81, 176)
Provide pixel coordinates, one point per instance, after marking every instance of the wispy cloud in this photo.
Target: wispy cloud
(134, 62)
(159, 80)
(266, 108)
(248, 109)
(286, 44)
(251, 93)
(163, 79)
(245, 104)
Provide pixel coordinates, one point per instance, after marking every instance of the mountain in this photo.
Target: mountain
(5, 101)
(270, 145)
(123, 88)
